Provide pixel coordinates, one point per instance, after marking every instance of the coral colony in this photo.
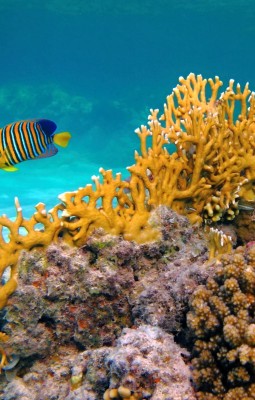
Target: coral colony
(116, 263)
(222, 320)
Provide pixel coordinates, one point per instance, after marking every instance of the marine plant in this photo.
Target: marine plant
(211, 169)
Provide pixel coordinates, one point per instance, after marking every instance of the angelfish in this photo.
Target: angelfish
(29, 140)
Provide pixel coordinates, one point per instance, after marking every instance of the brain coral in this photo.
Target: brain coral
(222, 319)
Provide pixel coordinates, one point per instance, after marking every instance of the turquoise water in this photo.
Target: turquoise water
(96, 68)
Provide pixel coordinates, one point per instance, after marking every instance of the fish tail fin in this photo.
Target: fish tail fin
(62, 139)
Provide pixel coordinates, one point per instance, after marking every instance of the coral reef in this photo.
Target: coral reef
(222, 320)
(86, 320)
(211, 169)
(83, 299)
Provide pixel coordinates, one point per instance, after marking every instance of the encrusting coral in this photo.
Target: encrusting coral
(222, 320)
(212, 168)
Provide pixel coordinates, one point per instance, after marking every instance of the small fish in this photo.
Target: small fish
(12, 363)
(245, 207)
(28, 140)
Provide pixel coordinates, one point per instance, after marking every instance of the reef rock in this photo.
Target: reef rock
(85, 320)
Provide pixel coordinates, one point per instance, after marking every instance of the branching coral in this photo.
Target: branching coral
(39, 231)
(222, 321)
(218, 243)
(212, 167)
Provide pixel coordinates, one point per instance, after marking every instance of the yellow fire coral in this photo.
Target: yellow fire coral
(212, 168)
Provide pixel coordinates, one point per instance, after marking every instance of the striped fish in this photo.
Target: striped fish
(28, 140)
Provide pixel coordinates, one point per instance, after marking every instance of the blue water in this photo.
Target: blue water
(96, 68)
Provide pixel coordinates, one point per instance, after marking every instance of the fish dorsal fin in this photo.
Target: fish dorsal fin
(62, 139)
(47, 126)
(50, 152)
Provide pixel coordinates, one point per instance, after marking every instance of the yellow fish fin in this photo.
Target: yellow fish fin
(62, 138)
(10, 169)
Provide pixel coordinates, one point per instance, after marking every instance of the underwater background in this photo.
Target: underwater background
(97, 67)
